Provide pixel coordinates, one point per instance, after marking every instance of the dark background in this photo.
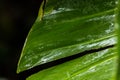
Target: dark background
(16, 19)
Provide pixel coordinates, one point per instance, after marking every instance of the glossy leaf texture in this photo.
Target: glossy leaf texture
(68, 27)
(96, 66)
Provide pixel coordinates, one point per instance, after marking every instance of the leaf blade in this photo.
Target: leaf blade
(58, 35)
(101, 65)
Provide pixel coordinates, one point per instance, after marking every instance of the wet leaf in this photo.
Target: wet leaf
(68, 27)
(99, 65)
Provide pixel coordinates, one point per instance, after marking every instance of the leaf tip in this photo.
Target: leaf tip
(41, 11)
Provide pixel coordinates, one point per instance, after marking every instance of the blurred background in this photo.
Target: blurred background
(16, 19)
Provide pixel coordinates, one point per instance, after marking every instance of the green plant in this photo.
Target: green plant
(81, 31)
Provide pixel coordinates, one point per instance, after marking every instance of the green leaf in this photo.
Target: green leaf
(117, 26)
(68, 27)
(99, 65)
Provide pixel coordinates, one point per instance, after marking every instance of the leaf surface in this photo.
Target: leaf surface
(68, 27)
(99, 65)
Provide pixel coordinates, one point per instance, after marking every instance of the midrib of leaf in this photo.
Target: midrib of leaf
(84, 69)
(117, 26)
